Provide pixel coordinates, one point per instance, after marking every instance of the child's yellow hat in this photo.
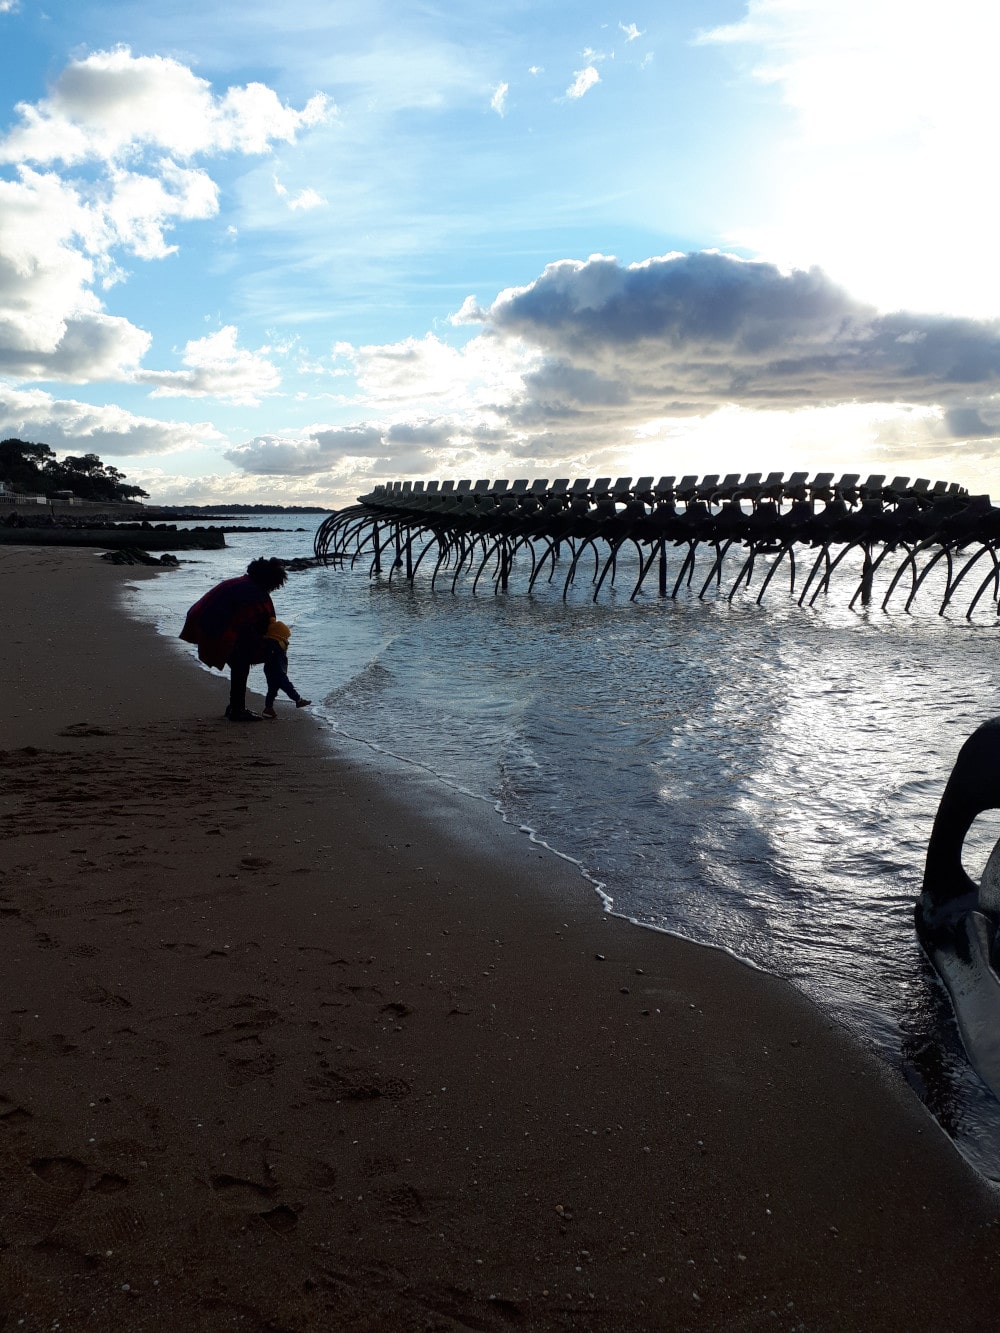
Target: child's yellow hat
(278, 630)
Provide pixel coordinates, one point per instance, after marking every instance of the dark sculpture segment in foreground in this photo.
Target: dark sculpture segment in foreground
(958, 921)
(741, 523)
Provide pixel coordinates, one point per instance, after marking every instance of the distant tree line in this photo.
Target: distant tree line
(241, 509)
(34, 469)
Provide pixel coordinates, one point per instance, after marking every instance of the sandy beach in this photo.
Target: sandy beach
(282, 1048)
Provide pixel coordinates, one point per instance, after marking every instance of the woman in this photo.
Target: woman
(228, 625)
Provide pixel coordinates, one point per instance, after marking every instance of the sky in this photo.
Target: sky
(283, 253)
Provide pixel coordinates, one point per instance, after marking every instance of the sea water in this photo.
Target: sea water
(760, 778)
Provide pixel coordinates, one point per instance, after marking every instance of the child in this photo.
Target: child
(276, 668)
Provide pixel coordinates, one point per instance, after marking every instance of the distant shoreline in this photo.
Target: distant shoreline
(200, 511)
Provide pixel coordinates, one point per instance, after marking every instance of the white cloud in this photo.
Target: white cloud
(110, 104)
(498, 102)
(44, 273)
(217, 368)
(349, 457)
(135, 122)
(52, 253)
(631, 31)
(583, 81)
(306, 199)
(428, 375)
(65, 424)
(425, 405)
(139, 207)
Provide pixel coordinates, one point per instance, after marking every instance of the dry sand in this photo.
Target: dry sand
(278, 1051)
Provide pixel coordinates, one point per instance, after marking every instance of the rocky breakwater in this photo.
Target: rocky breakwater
(49, 530)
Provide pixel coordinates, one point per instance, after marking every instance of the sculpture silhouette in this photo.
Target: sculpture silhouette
(956, 920)
(757, 522)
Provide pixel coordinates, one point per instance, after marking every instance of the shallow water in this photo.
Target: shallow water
(762, 779)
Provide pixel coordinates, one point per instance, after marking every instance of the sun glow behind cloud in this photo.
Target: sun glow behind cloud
(885, 177)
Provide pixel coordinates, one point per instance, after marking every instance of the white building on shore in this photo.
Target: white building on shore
(9, 497)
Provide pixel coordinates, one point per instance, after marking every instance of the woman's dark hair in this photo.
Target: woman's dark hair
(270, 574)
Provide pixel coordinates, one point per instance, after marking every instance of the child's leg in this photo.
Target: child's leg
(285, 684)
(274, 676)
(276, 671)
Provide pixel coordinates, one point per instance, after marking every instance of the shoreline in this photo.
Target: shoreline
(279, 1050)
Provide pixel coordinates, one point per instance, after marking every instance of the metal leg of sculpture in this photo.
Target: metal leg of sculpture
(434, 539)
(949, 592)
(945, 552)
(785, 550)
(645, 564)
(746, 568)
(909, 563)
(571, 573)
(824, 554)
(716, 570)
(484, 562)
(875, 568)
(688, 564)
(824, 583)
(993, 578)
(608, 564)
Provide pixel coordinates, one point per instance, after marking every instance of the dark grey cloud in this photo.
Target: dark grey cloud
(428, 434)
(965, 423)
(397, 449)
(568, 385)
(687, 333)
(275, 455)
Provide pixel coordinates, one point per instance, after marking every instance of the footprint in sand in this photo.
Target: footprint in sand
(379, 1166)
(59, 1259)
(281, 1219)
(404, 1204)
(98, 994)
(64, 1174)
(11, 1113)
(357, 1085)
(109, 1183)
(242, 1189)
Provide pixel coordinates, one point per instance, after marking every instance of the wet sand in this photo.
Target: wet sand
(283, 1048)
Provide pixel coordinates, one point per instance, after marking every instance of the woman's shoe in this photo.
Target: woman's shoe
(270, 713)
(244, 715)
(302, 703)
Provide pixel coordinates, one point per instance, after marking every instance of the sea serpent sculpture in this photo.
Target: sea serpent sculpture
(710, 534)
(480, 530)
